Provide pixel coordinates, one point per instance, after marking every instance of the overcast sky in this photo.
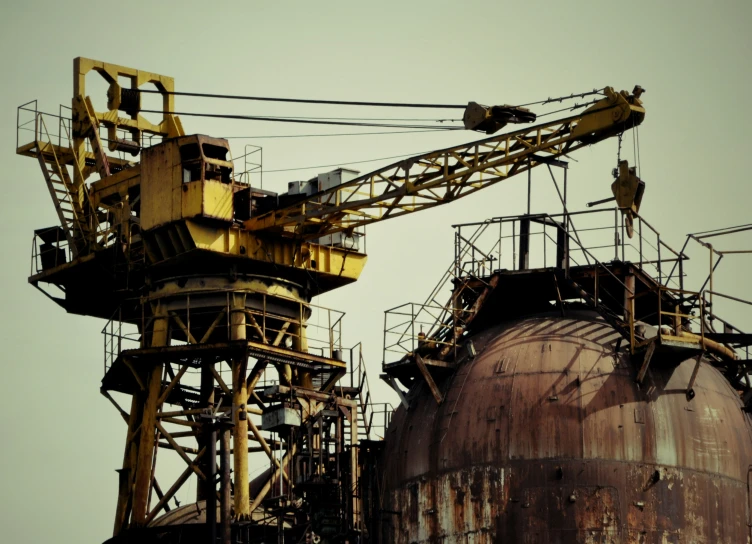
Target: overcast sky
(62, 441)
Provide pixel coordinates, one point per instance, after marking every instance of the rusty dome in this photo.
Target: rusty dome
(545, 437)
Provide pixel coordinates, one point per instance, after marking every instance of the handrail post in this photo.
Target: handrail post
(660, 268)
(640, 235)
(412, 326)
(710, 248)
(660, 312)
(616, 234)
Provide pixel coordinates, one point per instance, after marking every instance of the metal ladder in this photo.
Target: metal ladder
(63, 192)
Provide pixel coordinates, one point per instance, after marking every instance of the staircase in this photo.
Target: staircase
(64, 195)
(373, 418)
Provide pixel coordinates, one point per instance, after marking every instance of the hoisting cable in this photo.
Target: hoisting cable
(357, 102)
(307, 100)
(301, 120)
(332, 134)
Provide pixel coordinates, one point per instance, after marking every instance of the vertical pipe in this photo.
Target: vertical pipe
(640, 235)
(354, 466)
(562, 249)
(710, 248)
(660, 268)
(629, 289)
(203, 489)
(146, 440)
(566, 213)
(498, 265)
(524, 244)
(660, 311)
(239, 397)
(595, 290)
(211, 488)
(304, 378)
(616, 234)
(457, 252)
(529, 184)
(225, 487)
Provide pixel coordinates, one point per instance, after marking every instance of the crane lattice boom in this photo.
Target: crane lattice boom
(443, 176)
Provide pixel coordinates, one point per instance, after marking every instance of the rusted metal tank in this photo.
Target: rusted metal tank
(545, 437)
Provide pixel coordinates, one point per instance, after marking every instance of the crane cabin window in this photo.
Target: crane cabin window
(190, 158)
(214, 171)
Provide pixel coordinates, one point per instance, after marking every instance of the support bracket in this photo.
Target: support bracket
(429, 379)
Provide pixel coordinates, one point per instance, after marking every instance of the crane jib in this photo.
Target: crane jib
(445, 175)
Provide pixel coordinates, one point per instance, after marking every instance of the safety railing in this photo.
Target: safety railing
(412, 325)
(253, 166)
(49, 249)
(380, 416)
(482, 247)
(673, 321)
(118, 336)
(28, 130)
(594, 238)
(374, 416)
(269, 319)
(38, 131)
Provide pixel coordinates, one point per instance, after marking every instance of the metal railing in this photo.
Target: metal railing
(599, 235)
(253, 166)
(118, 337)
(52, 134)
(375, 416)
(278, 320)
(528, 242)
(49, 249)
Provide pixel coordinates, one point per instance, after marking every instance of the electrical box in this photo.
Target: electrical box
(280, 417)
(333, 179)
(341, 239)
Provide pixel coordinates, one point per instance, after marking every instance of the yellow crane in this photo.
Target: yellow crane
(213, 270)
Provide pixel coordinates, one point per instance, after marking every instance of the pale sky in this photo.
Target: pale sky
(62, 441)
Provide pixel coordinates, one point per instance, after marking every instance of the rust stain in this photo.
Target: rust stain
(546, 438)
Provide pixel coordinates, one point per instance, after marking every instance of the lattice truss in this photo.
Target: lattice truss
(442, 176)
(220, 362)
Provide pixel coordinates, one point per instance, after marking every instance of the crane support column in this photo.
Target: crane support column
(125, 485)
(146, 443)
(239, 399)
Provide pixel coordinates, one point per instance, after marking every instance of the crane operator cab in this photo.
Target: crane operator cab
(185, 178)
(191, 178)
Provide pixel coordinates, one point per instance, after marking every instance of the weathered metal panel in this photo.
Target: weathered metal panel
(217, 200)
(545, 437)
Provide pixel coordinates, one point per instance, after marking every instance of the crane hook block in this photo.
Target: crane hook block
(490, 119)
(628, 190)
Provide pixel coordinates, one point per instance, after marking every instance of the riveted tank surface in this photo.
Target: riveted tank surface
(545, 437)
